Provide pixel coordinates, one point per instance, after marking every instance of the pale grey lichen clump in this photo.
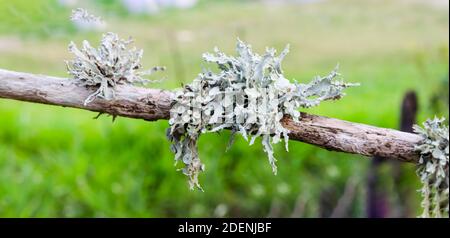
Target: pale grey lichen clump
(83, 14)
(113, 63)
(86, 21)
(249, 95)
(433, 167)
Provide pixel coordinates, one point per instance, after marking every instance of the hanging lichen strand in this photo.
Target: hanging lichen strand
(433, 167)
(249, 95)
(109, 65)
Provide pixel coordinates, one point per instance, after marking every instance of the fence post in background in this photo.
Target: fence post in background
(377, 199)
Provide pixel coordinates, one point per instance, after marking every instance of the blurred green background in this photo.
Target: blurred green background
(60, 162)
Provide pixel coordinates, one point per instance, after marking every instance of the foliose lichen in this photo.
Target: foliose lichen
(113, 63)
(249, 95)
(433, 167)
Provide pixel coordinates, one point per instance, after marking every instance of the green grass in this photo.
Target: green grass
(60, 162)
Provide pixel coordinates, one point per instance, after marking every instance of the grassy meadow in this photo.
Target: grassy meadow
(60, 162)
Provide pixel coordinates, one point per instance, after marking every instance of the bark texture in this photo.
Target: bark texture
(154, 104)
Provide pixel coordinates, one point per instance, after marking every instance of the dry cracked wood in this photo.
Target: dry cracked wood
(154, 104)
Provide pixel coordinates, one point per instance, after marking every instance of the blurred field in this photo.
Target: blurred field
(59, 162)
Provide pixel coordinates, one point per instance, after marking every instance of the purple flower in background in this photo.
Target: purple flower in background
(141, 6)
(68, 3)
(155, 6)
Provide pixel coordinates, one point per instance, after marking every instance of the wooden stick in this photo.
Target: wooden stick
(154, 104)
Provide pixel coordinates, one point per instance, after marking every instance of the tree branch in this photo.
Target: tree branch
(154, 104)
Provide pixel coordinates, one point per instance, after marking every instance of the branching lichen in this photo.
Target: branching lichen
(249, 95)
(84, 20)
(433, 167)
(109, 65)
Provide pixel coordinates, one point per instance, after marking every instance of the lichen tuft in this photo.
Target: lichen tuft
(113, 63)
(249, 95)
(433, 167)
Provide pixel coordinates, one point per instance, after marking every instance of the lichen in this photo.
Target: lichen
(113, 63)
(84, 20)
(433, 167)
(83, 14)
(249, 96)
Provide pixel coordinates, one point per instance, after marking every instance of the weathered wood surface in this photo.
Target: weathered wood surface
(154, 104)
